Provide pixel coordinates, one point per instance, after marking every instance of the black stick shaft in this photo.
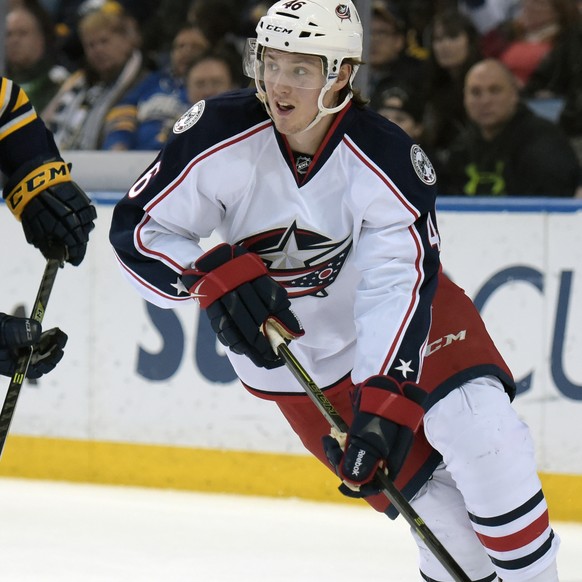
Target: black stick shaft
(389, 489)
(38, 309)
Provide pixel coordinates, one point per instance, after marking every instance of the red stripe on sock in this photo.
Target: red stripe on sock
(518, 539)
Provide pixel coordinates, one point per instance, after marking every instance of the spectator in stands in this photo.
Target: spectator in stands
(31, 59)
(556, 84)
(454, 43)
(507, 150)
(68, 13)
(221, 22)
(388, 63)
(252, 12)
(114, 65)
(404, 107)
(211, 74)
(417, 16)
(536, 29)
(143, 118)
(488, 15)
(161, 27)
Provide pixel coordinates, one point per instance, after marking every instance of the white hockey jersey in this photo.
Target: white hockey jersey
(351, 234)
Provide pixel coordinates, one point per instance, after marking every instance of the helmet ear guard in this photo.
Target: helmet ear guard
(329, 29)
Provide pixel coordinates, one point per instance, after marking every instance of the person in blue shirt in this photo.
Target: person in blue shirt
(143, 118)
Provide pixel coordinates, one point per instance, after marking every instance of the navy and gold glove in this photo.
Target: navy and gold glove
(57, 216)
(233, 286)
(19, 333)
(387, 416)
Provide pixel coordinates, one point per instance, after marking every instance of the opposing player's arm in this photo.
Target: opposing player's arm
(17, 333)
(56, 215)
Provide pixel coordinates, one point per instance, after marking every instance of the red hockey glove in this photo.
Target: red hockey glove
(234, 287)
(387, 415)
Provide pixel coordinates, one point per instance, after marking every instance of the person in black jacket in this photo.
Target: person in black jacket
(507, 149)
(558, 79)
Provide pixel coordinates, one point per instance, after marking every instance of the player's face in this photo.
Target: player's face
(293, 83)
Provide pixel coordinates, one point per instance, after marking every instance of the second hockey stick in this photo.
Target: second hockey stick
(388, 488)
(38, 309)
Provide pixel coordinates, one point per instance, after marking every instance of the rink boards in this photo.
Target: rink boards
(146, 397)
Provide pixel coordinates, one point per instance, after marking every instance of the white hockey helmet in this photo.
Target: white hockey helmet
(330, 29)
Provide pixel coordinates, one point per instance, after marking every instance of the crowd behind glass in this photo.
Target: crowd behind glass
(492, 90)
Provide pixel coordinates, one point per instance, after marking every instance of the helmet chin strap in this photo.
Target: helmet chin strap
(323, 110)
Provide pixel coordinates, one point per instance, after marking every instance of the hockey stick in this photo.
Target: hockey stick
(38, 309)
(388, 488)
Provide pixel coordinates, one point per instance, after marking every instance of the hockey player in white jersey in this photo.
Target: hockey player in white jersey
(327, 211)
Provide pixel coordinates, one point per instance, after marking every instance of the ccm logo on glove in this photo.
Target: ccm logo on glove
(34, 183)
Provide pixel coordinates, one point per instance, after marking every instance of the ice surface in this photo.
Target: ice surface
(88, 533)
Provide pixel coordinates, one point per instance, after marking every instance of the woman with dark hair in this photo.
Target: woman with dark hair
(454, 43)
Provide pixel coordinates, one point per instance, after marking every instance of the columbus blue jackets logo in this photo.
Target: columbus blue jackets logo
(342, 11)
(422, 165)
(303, 261)
(190, 117)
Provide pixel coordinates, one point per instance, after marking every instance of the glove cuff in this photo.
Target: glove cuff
(33, 183)
(225, 278)
(390, 403)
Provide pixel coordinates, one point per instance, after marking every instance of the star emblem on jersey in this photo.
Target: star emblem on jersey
(405, 368)
(303, 261)
(179, 286)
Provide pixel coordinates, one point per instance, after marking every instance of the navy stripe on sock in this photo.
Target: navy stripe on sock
(491, 578)
(511, 515)
(526, 560)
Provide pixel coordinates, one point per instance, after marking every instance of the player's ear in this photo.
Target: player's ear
(343, 77)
